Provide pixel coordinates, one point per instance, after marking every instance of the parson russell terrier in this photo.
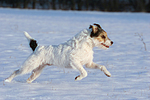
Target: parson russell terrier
(74, 53)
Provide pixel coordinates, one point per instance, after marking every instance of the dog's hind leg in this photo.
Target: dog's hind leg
(35, 73)
(101, 67)
(29, 65)
(14, 74)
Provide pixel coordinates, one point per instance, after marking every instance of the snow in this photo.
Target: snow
(127, 60)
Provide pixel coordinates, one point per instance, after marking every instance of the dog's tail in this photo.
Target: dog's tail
(33, 43)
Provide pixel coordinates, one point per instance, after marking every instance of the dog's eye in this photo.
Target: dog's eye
(103, 37)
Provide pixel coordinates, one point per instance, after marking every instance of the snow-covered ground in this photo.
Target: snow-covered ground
(127, 59)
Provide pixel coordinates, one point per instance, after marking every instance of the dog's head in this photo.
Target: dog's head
(100, 36)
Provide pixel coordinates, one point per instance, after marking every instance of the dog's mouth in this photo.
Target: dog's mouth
(105, 45)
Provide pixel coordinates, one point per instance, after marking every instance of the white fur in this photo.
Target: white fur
(27, 36)
(74, 53)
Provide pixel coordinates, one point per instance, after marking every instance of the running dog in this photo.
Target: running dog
(74, 53)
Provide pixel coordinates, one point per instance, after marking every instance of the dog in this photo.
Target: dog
(74, 53)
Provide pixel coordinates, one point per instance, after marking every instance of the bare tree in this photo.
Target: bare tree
(54, 4)
(72, 4)
(79, 3)
(33, 4)
(25, 3)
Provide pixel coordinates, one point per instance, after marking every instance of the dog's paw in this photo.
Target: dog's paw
(7, 80)
(78, 78)
(108, 74)
(28, 81)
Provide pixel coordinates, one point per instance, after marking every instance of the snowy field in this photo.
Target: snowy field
(128, 60)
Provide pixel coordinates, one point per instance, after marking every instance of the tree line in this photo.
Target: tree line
(98, 5)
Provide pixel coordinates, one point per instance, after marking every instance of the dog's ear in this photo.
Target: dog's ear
(95, 30)
(97, 25)
(90, 26)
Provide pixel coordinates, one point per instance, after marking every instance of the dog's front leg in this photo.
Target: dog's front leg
(82, 71)
(101, 67)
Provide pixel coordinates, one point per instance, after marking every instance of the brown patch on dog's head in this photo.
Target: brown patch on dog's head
(98, 32)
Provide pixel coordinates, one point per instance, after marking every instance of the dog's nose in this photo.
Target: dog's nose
(111, 42)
